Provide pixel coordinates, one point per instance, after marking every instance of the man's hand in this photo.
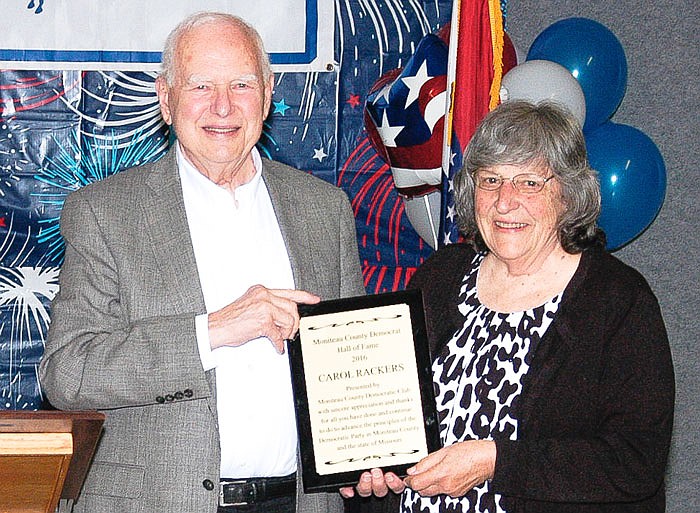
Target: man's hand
(260, 312)
(375, 483)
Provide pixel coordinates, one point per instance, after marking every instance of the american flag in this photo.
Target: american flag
(475, 66)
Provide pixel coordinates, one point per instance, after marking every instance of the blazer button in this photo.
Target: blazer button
(179, 395)
(188, 392)
(208, 484)
(169, 398)
(160, 399)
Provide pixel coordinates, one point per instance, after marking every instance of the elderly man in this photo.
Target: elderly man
(180, 288)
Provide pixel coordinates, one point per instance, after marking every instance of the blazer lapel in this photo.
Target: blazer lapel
(166, 225)
(291, 222)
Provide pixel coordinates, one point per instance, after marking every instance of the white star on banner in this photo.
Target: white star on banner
(319, 154)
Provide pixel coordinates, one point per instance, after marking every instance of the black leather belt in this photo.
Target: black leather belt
(244, 492)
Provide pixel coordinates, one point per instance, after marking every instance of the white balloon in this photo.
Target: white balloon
(539, 80)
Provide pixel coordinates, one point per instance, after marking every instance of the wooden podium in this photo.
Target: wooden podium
(44, 457)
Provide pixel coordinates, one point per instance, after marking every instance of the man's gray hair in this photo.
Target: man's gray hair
(168, 64)
(522, 133)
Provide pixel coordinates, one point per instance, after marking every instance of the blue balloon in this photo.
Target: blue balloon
(594, 56)
(632, 179)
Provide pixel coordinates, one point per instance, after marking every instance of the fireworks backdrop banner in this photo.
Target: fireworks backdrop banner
(63, 129)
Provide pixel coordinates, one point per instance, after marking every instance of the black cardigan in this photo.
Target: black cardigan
(596, 408)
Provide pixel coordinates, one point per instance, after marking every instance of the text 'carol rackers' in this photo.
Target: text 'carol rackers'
(361, 373)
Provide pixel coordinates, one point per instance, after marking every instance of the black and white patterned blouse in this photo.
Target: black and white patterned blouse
(478, 377)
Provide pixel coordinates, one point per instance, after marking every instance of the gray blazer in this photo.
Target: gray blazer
(122, 335)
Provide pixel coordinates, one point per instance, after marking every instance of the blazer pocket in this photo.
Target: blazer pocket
(115, 480)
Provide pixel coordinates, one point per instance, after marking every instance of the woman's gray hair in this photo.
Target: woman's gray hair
(168, 63)
(521, 133)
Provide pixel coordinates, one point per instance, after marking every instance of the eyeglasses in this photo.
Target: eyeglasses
(527, 183)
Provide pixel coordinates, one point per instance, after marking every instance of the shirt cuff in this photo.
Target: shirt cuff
(201, 324)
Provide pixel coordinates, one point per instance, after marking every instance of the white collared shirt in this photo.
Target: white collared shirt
(237, 243)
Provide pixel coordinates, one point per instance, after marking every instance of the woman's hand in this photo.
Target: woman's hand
(375, 482)
(453, 470)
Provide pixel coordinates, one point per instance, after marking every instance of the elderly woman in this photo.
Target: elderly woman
(551, 365)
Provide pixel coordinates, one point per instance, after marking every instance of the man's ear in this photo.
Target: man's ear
(268, 95)
(164, 99)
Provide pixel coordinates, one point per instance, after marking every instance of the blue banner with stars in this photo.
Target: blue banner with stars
(63, 129)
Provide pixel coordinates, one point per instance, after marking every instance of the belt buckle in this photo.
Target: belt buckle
(222, 501)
